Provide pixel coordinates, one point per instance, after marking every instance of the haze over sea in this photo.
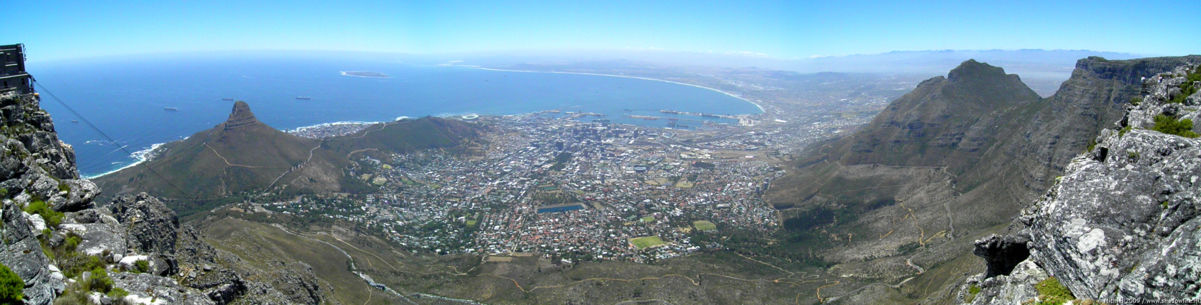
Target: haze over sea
(127, 99)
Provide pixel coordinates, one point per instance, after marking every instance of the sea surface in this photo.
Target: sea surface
(143, 102)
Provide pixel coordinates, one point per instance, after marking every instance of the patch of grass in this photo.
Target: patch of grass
(73, 265)
(1124, 130)
(1136, 100)
(647, 242)
(647, 219)
(53, 218)
(117, 293)
(1168, 125)
(12, 288)
(1051, 292)
(704, 225)
(971, 293)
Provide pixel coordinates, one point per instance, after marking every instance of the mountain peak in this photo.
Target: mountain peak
(240, 116)
(972, 69)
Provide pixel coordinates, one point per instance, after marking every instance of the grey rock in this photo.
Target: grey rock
(1014, 288)
(104, 239)
(146, 286)
(22, 252)
(1121, 225)
(152, 228)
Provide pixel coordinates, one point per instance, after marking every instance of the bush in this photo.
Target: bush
(1168, 125)
(12, 288)
(99, 281)
(1187, 88)
(118, 293)
(53, 218)
(141, 266)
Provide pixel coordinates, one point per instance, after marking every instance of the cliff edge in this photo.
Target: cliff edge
(1121, 225)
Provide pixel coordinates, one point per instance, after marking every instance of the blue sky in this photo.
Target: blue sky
(54, 30)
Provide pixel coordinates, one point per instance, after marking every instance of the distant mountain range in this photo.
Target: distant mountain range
(244, 155)
(1042, 70)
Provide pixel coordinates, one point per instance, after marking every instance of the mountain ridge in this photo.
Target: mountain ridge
(243, 155)
(952, 162)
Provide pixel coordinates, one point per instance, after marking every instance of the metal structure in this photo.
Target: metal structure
(13, 76)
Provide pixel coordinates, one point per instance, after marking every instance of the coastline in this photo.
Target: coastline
(760, 107)
(140, 156)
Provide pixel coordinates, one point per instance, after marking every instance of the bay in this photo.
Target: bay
(142, 102)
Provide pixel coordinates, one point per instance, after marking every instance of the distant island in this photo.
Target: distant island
(364, 74)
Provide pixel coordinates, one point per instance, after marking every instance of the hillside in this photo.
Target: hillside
(955, 158)
(238, 155)
(244, 155)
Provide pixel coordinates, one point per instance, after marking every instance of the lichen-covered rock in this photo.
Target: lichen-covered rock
(151, 227)
(1014, 288)
(1121, 225)
(21, 252)
(142, 286)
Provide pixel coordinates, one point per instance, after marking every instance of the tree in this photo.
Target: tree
(12, 288)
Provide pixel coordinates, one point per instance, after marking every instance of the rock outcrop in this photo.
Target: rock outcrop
(22, 253)
(151, 228)
(1122, 225)
(136, 238)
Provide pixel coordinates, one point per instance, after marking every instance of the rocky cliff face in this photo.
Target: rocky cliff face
(55, 236)
(1121, 225)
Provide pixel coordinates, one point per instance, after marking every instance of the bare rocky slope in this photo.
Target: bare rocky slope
(1121, 225)
(58, 238)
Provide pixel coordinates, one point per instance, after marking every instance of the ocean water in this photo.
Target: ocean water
(127, 99)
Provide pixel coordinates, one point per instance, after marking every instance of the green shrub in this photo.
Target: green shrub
(74, 264)
(141, 266)
(1124, 130)
(53, 218)
(99, 281)
(72, 242)
(1187, 88)
(1168, 125)
(12, 288)
(74, 294)
(1051, 292)
(118, 293)
(1136, 100)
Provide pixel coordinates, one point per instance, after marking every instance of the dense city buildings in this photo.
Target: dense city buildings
(568, 185)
